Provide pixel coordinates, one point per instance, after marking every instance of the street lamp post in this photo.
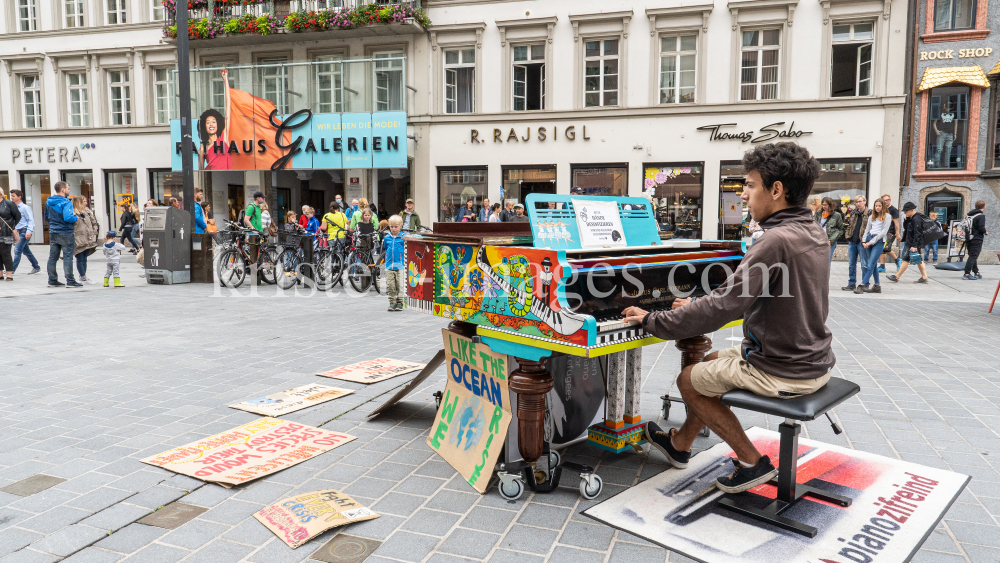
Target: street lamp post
(184, 87)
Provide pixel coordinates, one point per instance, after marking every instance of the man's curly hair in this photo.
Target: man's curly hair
(788, 163)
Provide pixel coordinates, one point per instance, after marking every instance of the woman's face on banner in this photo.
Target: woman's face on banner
(211, 125)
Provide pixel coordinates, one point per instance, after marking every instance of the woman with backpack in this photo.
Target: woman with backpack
(127, 221)
(829, 217)
(86, 232)
(872, 243)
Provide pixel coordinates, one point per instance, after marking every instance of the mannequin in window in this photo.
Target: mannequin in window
(944, 128)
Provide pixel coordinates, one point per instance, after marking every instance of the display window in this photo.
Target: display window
(676, 190)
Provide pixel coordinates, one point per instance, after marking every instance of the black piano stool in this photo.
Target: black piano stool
(804, 408)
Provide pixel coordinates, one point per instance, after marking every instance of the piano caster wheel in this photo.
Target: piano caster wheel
(511, 486)
(704, 432)
(437, 400)
(554, 460)
(591, 486)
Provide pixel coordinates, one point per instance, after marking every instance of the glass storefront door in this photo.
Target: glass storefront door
(120, 191)
(163, 185)
(393, 189)
(676, 190)
(37, 187)
(456, 187)
(734, 216)
(81, 182)
(519, 182)
(603, 180)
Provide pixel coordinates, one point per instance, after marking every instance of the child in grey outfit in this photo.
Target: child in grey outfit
(113, 252)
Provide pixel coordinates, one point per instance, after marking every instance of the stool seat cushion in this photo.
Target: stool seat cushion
(805, 407)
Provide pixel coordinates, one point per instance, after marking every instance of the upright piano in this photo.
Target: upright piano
(557, 284)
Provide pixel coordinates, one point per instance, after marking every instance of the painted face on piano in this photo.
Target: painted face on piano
(763, 201)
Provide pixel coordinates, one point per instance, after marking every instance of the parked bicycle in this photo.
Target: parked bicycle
(243, 253)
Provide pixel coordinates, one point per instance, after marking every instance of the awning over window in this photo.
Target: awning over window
(996, 70)
(971, 75)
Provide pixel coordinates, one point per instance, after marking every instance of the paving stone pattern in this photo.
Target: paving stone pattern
(96, 380)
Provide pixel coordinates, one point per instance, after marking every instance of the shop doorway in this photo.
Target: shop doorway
(119, 189)
(733, 213)
(237, 201)
(519, 182)
(600, 179)
(37, 185)
(283, 203)
(393, 190)
(81, 182)
(949, 205)
(316, 200)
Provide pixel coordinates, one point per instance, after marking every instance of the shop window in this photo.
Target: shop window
(519, 182)
(37, 184)
(995, 109)
(678, 57)
(761, 53)
(27, 17)
(600, 73)
(949, 206)
(116, 12)
(842, 181)
(164, 89)
(456, 187)
(600, 180)
(954, 15)
(676, 190)
(121, 97)
(165, 184)
(79, 104)
(5, 182)
(851, 60)
(529, 77)
(947, 128)
(120, 192)
(734, 216)
(328, 77)
(81, 182)
(31, 95)
(389, 85)
(156, 10)
(460, 81)
(74, 13)
(272, 84)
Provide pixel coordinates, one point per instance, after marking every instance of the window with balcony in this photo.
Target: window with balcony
(79, 104)
(529, 77)
(31, 94)
(156, 10)
(851, 60)
(389, 81)
(947, 128)
(272, 83)
(761, 53)
(329, 80)
(74, 13)
(116, 12)
(164, 91)
(460, 81)
(678, 58)
(954, 15)
(27, 16)
(600, 81)
(995, 139)
(120, 97)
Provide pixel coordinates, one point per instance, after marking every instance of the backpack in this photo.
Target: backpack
(932, 231)
(966, 225)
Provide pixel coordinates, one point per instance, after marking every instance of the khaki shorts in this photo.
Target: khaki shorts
(730, 371)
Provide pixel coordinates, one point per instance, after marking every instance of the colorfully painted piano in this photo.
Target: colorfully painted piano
(558, 284)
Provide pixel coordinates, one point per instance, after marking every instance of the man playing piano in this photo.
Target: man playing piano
(781, 291)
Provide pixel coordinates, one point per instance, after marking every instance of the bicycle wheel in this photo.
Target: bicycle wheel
(232, 269)
(358, 274)
(378, 274)
(266, 265)
(286, 268)
(329, 266)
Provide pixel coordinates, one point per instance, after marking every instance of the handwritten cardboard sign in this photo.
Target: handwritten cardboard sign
(298, 519)
(291, 400)
(372, 371)
(261, 447)
(469, 429)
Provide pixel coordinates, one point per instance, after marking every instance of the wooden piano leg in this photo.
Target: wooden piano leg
(616, 398)
(531, 381)
(693, 351)
(633, 383)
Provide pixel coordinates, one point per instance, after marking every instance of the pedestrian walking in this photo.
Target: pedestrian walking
(508, 213)
(25, 229)
(395, 258)
(854, 231)
(913, 242)
(200, 226)
(113, 254)
(895, 234)
(128, 221)
(411, 221)
(335, 222)
(359, 215)
(468, 213)
(933, 245)
(830, 219)
(59, 214)
(495, 213)
(10, 216)
(871, 249)
(484, 211)
(974, 242)
(86, 233)
(265, 216)
(303, 219)
(519, 216)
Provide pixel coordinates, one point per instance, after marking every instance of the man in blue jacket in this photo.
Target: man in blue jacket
(59, 214)
(199, 214)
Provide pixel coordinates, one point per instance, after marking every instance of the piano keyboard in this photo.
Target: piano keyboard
(608, 326)
(636, 332)
(420, 305)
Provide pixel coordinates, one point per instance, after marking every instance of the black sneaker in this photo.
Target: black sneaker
(661, 441)
(893, 278)
(73, 284)
(921, 280)
(56, 284)
(746, 478)
(849, 287)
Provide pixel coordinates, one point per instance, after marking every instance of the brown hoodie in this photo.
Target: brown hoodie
(784, 332)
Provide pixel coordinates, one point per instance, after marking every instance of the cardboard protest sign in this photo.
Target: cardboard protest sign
(435, 362)
(291, 400)
(372, 371)
(298, 519)
(261, 447)
(469, 429)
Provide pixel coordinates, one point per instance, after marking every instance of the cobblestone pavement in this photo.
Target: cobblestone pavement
(95, 380)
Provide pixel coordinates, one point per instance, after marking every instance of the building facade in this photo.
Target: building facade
(955, 155)
(502, 98)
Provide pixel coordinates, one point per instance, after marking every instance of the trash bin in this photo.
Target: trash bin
(167, 245)
(202, 258)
